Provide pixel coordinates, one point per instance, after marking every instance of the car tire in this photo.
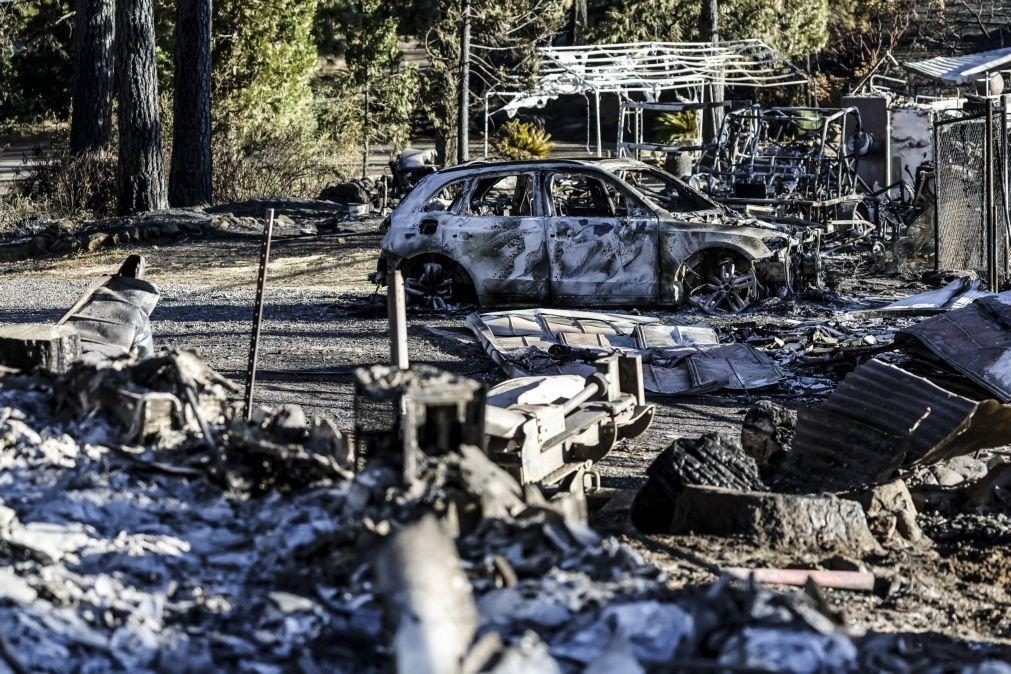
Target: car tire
(436, 284)
(720, 281)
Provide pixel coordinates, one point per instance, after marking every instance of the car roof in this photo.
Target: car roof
(605, 163)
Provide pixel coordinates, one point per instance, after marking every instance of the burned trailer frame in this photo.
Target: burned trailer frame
(789, 162)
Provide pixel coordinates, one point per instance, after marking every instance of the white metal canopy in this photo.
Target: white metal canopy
(646, 69)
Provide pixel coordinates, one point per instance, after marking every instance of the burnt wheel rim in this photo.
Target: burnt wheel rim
(726, 289)
(430, 286)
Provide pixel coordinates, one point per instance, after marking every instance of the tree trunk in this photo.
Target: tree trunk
(141, 179)
(577, 21)
(94, 62)
(190, 177)
(709, 29)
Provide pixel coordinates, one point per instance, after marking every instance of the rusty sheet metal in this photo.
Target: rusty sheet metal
(677, 359)
(882, 417)
(974, 341)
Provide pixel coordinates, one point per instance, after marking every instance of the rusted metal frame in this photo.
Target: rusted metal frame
(254, 340)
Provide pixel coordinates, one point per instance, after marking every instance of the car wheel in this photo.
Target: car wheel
(434, 286)
(720, 283)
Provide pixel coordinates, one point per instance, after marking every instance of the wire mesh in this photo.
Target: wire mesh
(960, 169)
(962, 199)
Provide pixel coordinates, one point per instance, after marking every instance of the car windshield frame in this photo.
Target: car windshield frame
(659, 201)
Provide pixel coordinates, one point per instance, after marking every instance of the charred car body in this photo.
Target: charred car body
(582, 232)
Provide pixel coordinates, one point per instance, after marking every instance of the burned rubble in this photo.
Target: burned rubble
(759, 437)
(208, 541)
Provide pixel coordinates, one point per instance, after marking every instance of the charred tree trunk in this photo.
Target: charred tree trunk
(141, 178)
(190, 175)
(94, 67)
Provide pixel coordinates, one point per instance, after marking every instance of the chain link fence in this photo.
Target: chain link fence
(961, 234)
(972, 215)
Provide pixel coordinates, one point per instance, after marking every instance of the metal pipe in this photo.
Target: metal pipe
(937, 197)
(463, 123)
(595, 385)
(397, 309)
(254, 340)
(600, 142)
(988, 199)
(486, 125)
(859, 581)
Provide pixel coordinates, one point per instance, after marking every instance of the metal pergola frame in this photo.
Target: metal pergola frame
(646, 69)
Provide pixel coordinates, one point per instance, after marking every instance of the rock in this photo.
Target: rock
(713, 459)
(890, 512)
(786, 522)
(767, 433)
(968, 467)
(946, 477)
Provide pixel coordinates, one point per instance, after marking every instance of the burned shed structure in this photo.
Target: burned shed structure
(639, 74)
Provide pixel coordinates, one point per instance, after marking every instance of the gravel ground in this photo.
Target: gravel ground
(319, 326)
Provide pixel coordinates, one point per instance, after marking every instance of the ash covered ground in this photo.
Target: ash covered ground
(321, 322)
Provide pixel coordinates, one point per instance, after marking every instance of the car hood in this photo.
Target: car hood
(753, 228)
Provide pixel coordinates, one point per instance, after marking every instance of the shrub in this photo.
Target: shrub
(286, 165)
(522, 140)
(58, 184)
(672, 127)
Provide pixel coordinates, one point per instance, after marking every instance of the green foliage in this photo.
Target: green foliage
(645, 20)
(861, 32)
(522, 140)
(36, 59)
(672, 127)
(264, 62)
(794, 27)
(504, 36)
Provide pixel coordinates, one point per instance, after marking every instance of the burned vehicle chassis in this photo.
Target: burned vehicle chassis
(581, 233)
(789, 162)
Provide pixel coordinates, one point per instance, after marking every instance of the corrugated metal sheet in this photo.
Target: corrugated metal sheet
(676, 359)
(882, 417)
(965, 69)
(974, 341)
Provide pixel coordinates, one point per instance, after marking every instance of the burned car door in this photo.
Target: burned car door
(602, 241)
(499, 238)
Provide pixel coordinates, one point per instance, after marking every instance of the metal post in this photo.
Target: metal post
(1005, 168)
(463, 135)
(486, 125)
(254, 341)
(988, 206)
(365, 134)
(937, 197)
(396, 305)
(622, 116)
(600, 143)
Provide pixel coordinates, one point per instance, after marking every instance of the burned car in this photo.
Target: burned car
(584, 233)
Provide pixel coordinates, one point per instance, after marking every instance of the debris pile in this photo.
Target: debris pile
(169, 533)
